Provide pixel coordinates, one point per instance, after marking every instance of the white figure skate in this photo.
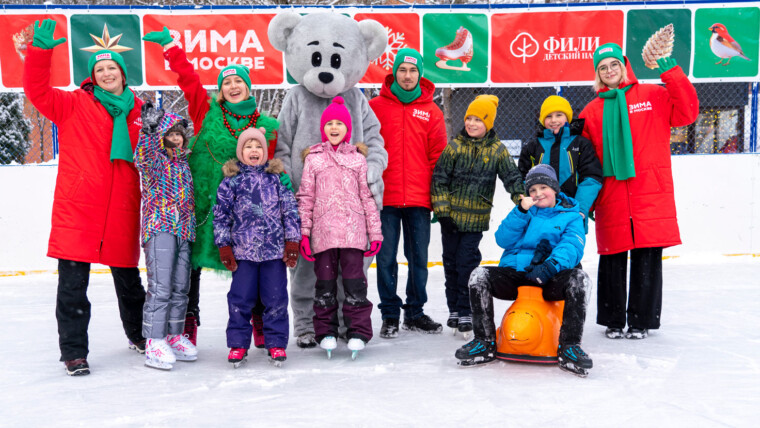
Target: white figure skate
(460, 49)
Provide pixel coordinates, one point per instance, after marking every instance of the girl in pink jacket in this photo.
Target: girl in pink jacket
(339, 219)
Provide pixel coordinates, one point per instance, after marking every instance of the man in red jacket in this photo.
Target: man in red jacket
(415, 135)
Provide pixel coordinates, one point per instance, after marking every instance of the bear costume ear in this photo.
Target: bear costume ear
(281, 27)
(375, 37)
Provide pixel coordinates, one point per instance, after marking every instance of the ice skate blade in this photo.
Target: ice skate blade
(354, 354)
(158, 365)
(329, 354)
(478, 361)
(467, 335)
(572, 368)
(186, 358)
(454, 331)
(276, 363)
(237, 364)
(443, 65)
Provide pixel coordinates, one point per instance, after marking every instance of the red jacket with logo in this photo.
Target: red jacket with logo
(96, 207)
(640, 212)
(415, 136)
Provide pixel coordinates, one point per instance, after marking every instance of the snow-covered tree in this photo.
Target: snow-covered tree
(14, 129)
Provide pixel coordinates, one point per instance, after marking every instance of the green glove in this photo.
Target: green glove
(434, 219)
(666, 64)
(160, 37)
(43, 35)
(285, 180)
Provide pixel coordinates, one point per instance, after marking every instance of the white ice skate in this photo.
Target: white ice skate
(355, 345)
(460, 49)
(328, 344)
(159, 355)
(183, 349)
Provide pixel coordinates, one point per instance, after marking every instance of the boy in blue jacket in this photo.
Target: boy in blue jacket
(543, 240)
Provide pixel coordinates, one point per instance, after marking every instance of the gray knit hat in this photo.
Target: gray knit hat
(542, 174)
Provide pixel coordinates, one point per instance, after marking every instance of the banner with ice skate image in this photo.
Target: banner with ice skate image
(455, 47)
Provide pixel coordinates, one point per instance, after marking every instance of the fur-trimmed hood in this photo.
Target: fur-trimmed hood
(318, 148)
(231, 168)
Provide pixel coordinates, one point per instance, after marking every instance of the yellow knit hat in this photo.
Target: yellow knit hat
(484, 108)
(554, 103)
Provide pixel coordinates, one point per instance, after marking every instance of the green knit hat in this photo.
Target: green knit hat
(608, 50)
(103, 55)
(410, 56)
(234, 69)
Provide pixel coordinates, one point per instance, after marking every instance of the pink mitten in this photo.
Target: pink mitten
(306, 248)
(374, 248)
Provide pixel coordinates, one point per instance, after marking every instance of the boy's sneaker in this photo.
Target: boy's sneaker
(475, 352)
(183, 349)
(258, 330)
(159, 355)
(422, 324)
(277, 356)
(191, 328)
(237, 356)
(614, 333)
(453, 321)
(636, 333)
(571, 358)
(306, 340)
(389, 330)
(137, 346)
(77, 367)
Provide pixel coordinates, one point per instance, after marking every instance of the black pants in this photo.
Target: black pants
(460, 256)
(644, 294)
(487, 282)
(194, 295)
(72, 308)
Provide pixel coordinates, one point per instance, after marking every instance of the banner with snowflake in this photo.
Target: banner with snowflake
(403, 32)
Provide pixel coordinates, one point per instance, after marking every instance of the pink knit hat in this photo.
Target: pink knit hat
(336, 111)
(252, 134)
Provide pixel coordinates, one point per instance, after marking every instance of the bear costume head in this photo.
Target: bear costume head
(327, 53)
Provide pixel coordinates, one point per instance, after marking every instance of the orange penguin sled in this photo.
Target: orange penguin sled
(529, 331)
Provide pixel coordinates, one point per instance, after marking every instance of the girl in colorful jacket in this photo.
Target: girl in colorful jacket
(629, 125)
(217, 123)
(256, 228)
(543, 240)
(339, 219)
(96, 209)
(168, 228)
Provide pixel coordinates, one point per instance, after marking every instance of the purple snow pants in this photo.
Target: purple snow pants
(250, 282)
(356, 308)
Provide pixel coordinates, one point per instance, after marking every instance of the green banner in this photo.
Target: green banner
(642, 24)
(119, 33)
(726, 42)
(455, 47)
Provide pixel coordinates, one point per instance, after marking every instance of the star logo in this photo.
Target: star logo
(105, 41)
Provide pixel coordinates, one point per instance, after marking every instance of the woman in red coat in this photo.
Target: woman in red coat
(629, 125)
(96, 208)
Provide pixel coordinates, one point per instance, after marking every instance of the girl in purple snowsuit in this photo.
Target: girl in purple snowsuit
(339, 219)
(256, 228)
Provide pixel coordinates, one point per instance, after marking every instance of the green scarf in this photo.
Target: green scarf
(118, 106)
(242, 108)
(406, 96)
(617, 143)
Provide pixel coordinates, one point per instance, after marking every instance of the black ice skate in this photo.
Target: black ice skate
(465, 327)
(571, 358)
(453, 322)
(422, 324)
(476, 352)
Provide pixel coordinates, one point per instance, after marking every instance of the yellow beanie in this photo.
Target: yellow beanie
(484, 108)
(554, 103)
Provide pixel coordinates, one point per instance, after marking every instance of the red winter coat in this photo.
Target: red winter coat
(96, 210)
(640, 212)
(415, 136)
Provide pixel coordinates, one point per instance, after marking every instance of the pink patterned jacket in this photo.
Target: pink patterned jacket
(334, 201)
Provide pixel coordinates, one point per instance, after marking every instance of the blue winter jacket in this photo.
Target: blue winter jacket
(255, 214)
(520, 232)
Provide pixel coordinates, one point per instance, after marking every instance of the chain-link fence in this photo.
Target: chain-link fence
(726, 123)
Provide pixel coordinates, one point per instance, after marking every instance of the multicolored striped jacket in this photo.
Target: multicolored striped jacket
(167, 186)
(464, 180)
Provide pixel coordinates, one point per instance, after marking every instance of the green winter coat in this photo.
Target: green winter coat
(464, 180)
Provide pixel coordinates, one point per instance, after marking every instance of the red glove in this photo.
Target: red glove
(291, 254)
(228, 259)
(374, 248)
(306, 249)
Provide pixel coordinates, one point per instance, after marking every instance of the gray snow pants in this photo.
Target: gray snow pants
(167, 258)
(303, 281)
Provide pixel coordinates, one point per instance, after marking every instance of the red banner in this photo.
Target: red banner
(11, 64)
(550, 46)
(403, 32)
(213, 42)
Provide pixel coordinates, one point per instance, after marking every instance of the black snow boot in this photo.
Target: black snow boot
(389, 330)
(422, 324)
(77, 367)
